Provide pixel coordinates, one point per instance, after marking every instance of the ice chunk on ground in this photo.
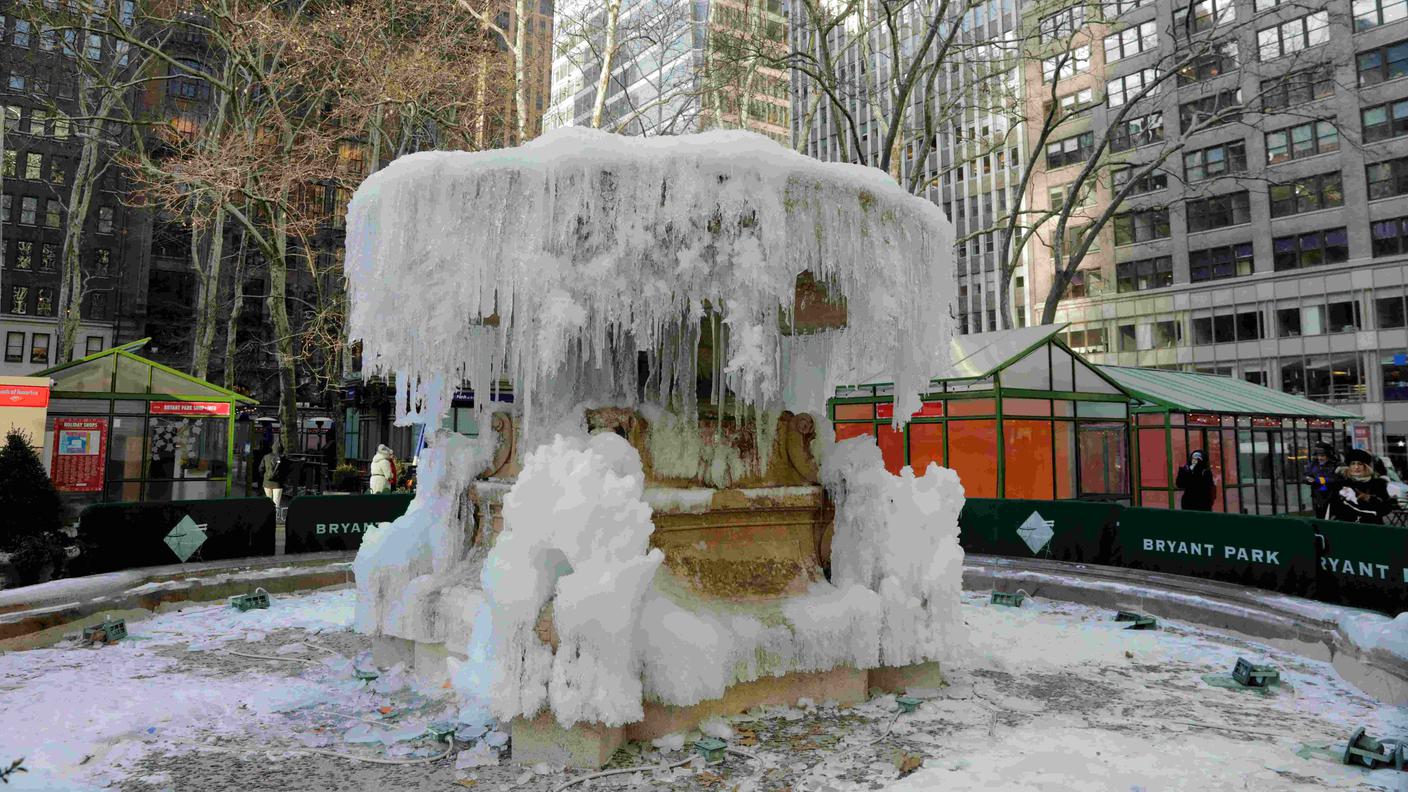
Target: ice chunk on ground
(670, 742)
(716, 727)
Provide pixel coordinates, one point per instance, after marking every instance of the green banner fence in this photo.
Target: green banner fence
(113, 536)
(316, 523)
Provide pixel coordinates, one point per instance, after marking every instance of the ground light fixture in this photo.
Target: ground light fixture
(1013, 600)
(1248, 674)
(259, 600)
(907, 704)
(711, 748)
(1371, 753)
(1137, 621)
(440, 731)
(108, 631)
(364, 676)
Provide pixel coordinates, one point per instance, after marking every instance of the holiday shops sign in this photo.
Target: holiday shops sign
(191, 409)
(80, 454)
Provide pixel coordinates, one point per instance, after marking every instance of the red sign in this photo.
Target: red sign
(1320, 423)
(1201, 419)
(221, 409)
(24, 396)
(80, 454)
(1270, 423)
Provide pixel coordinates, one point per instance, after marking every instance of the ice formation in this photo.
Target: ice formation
(576, 532)
(403, 567)
(898, 536)
(558, 265)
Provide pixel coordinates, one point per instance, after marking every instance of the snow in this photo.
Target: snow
(1374, 632)
(576, 532)
(897, 536)
(556, 264)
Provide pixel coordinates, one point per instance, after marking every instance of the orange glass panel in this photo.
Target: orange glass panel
(972, 453)
(1214, 454)
(1155, 499)
(1028, 452)
(932, 409)
(926, 444)
(972, 407)
(1026, 407)
(1234, 500)
(847, 412)
(1229, 471)
(1153, 458)
(892, 448)
(1151, 419)
(1065, 435)
(847, 431)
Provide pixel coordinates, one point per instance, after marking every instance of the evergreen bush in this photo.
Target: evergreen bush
(34, 539)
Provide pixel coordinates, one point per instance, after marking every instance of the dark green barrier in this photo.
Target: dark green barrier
(1079, 531)
(115, 536)
(1363, 565)
(1276, 553)
(316, 523)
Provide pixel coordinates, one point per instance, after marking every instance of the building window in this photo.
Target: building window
(19, 299)
(39, 348)
(1141, 226)
(1228, 328)
(1293, 35)
(48, 257)
(1329, 378)
(97, 305)
(22, 32)
(182, 84)
(1223, 261)
(1384, 121)
(1085, 283)
(102, 262)
(105, 220)
(1389, 313)
(1127, 338)
(1206, 14)
(1166, 334)
(1395, 377)
(1372, 13)
(1385, 179)
(17, 81)
(1070, 151)
(1122, 90)
(1071, 104)
(34, 166)
(6, 206)
(1301, 140)
(1144, 274)
(94, 50)
(1131, 41)
(1114, 8)
(1210, 111)
(1215, 161)
(1149, 182)
(1221, 59)
(1298, 87)
(1310, 250)
(1382, 63)
(24, 255)
(1219, 211)
(61, 128)
(1307, 194)
(52, 213)
(1062, 25)
(38, 122)
(92, 345)
(29, 209)
(56, 171)
(1090, 339)
(1066, 65)
(43, 302)
(1137, 132)
(1390, 237)
(14, 347)
(11, 159)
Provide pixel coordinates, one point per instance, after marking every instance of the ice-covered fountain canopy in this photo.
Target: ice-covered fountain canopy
(561, 265)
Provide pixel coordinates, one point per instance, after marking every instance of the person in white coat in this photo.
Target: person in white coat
(383, 476)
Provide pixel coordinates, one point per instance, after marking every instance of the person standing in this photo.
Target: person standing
(383, 478)
(1320, 475)
(1362, 496)
(1195, 479)
(273, 469)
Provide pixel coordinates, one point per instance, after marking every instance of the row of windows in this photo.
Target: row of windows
(27, 301)
(25, 255)
(39, 347)
(29, 211)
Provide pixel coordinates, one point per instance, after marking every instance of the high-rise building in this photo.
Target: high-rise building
(679, 67)
(1272, 247)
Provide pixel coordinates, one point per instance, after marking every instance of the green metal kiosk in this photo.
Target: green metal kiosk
(125, 428)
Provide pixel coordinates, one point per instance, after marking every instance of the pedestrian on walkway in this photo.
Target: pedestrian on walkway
(1320, 475)
(1363, 496)
(274, 469)
(1195, 479)
(383, 478)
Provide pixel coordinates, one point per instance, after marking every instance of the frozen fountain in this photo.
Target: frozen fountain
(657, 529)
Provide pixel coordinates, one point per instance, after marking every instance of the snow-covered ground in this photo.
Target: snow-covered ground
(1049, 697)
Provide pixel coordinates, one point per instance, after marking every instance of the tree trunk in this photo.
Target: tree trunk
(207, 292)
(520, 67)
(608, 54)
(70, 305)
(233, 322)
(283, 335)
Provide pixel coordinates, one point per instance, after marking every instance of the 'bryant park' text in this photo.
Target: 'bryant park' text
(1338, 566)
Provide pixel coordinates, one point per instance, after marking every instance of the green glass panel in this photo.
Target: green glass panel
(132, 375)
(95, 376)
(167, 383)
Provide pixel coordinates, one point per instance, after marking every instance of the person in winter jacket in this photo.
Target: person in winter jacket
(1195, 479)
(1362, 496)
(1321, 476)
(383, 477)
(273, 469)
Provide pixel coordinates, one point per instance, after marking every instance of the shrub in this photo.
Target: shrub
(36, 539)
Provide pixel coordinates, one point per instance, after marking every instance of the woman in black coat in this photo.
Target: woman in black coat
(1195, 479)
(1362, 496)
